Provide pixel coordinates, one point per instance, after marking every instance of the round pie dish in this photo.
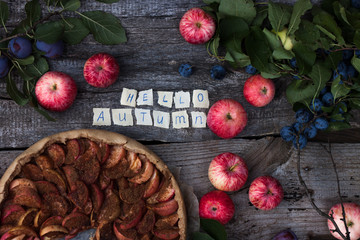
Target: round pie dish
(82, 179)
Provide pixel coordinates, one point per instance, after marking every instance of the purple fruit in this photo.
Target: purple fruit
(4, 66)
(52, 50)
(20, 47)
(285, 235)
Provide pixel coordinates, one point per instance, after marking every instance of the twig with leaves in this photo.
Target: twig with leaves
(105, 28)
(330, 216)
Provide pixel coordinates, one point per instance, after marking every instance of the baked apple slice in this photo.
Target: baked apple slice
(73, 151)
(152, 185)
(32, 172)
(57, 154)
(117, 152)
(11, 214)
(27, 219)
(147, 169)
(44, 162)
(165, 208)
(167, 234)
(53, 232)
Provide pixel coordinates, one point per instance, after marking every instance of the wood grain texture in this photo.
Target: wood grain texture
(276, 159)
(150, 59)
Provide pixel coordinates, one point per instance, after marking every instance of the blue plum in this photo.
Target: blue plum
(185, 70)
(218, 72)
(4, 66)
(250, 69)
(53, 50)
(20, 47)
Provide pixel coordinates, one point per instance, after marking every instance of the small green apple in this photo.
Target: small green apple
(285, 40)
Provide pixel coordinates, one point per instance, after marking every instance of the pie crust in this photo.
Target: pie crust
(107, 137)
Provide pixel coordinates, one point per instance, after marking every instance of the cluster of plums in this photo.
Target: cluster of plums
(21, 47)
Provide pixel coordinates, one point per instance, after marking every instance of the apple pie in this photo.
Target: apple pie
(82, 179)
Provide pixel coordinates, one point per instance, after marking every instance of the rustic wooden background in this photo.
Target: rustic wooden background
(150, 59)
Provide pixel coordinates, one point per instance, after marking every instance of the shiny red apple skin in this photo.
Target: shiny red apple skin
(228, 172)
(266, 193)
(259, 91)
(226, 118)
(352, 213)
(216, 205)
(55, 91)
(197, 26)
(101, 70)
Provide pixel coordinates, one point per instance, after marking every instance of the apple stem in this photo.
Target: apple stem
(198, 24)
(228, 116)
(233, 167)
(264, 90)
(54, 87)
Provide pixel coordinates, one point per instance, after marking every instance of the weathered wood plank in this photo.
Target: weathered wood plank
(149, 59)
(267, 156)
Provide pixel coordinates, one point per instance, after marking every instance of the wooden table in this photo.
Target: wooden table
(150, 60)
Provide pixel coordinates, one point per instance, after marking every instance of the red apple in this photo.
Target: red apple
(226, 118)
(259, 91)
(266, 193)
(55, 91)
(197, 26)
(101, 70)
(352, 213)
(216, 205)
(228, 172)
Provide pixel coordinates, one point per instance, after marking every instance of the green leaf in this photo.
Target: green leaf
(272, 39)
(75, 31)
(25, 61)
(200, 236)
(336, 126)
(261, 14)
(214, 228)
(244, 9)
(45, 114)
(49, 32)
(305, 90)
(328, 23)
(108, 1)
(270, 75)
(14, 92)
(105, 27)
(320, 75)
(281, 53)
(326, 32)
(305, 57)
(340, 12)
(4, 13)
(308, 33)
(356, 63)
(300, 7)
(33, 11)
(357, 38)
(233, 28)
(71, 5)
(258, 50)
(339, 89)
(38, 68)
(279, 15)
(213, 45)
(299, 91)
(237, 58)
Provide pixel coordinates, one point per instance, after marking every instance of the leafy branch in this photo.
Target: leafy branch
(105, 28)
(305, 42)
(330, 216)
